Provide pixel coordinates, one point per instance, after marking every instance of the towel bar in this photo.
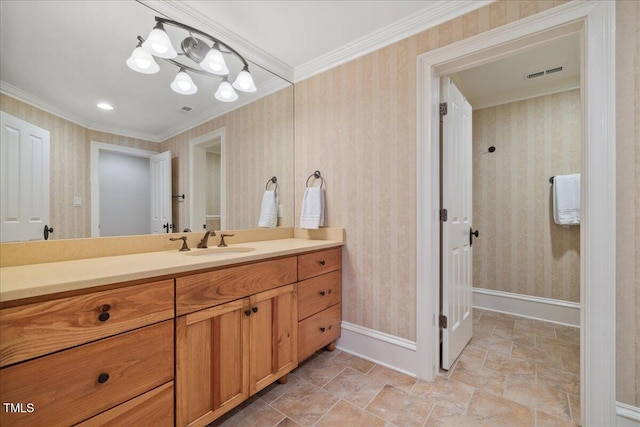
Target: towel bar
(316, 175)
(551, 179)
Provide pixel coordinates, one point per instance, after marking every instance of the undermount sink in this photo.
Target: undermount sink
(220, 251)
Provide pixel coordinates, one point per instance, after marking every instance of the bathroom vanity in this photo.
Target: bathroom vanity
(201, 332)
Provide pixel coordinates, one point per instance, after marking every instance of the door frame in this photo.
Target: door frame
(203, 142)
(596, 22)
(96, 147)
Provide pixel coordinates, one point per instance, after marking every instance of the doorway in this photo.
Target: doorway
(594, 21)
(207, 166)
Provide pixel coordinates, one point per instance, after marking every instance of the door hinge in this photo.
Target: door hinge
(443, 321)
(443, 109)
(443, 215)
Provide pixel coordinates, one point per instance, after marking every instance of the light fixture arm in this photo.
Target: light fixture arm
(203, 34)
(179, 64)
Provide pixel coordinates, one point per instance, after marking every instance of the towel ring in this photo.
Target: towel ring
(316, 175)
(272, 180)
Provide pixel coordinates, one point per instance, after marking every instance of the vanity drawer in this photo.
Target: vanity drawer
(320, 262)
(41, 328)
(199, 291)
(154, 408)
(319, 330)
(73, 385)
(319, 293)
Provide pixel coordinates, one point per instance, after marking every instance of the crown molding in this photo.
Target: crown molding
(186, 14)
(437, 13)
(271, 86)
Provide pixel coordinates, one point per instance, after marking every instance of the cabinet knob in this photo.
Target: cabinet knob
(254, 309)
(322, 293)
(103, 378)
(322, 329)
(322, 262)
(104, 317)
(247, 312)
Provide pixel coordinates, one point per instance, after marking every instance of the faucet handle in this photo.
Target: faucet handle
(222, 236)
(184, 243)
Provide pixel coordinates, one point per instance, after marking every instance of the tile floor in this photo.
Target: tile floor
(514, 372)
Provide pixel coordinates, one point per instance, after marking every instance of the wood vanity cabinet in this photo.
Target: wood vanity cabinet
(90, 360)
(319, 300)
(228, 352)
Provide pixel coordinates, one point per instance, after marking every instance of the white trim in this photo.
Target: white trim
(627, 415)
(202, 142)
(387, 350)
(437, 13)
(547, 309)
(96, 147)
(598, 231)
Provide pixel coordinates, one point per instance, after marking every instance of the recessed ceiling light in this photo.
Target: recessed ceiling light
(104, 106)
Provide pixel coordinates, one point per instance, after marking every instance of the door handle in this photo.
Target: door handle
(47, 230)
(471, 234)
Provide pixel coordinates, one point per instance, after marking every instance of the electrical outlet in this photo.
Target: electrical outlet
(77, 201)
(280, 211)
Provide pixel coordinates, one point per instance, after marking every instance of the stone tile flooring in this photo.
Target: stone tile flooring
(514, 372)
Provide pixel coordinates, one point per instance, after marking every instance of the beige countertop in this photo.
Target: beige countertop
(43, 279)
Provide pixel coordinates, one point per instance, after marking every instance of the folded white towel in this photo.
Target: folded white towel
(312, 215)
(566, 199)
(269, 210)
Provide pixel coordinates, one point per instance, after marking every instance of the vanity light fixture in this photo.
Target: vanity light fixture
(208, 55)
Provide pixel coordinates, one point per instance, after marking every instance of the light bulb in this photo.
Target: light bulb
(183, 84)
(244, 81)
(214, 62)
(159, 44)
(225, 92)
(142, 62)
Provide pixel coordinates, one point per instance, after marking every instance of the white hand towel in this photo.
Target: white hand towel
(312, 215)
(269, 210)
(566, 199)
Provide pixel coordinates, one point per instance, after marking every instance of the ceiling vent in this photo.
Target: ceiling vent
(186, 109)
(544, 72)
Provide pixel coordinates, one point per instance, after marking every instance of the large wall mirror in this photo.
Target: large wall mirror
(60, 59)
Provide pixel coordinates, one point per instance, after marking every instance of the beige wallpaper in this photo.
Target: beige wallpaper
(259, 140)
(628, 200)
(356, 123)
(361, 135)
(70, 165)
(520, 248)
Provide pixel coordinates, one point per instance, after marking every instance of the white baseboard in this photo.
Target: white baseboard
(547, 309)
(384, 349)
(627, 415)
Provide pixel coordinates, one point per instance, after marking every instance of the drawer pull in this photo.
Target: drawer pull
(322, 262)
(247, 312)
(322, 329)
(322, 293)
(103, 378)
(104, 315)
(254, 309)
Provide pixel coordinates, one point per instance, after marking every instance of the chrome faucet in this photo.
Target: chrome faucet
(205, 239)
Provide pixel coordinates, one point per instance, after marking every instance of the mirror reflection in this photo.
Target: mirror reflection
(217, 155)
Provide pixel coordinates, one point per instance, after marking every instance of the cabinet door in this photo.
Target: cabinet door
(212, 362)
(274, 335)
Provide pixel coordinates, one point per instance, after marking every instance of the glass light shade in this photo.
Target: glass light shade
(244, 82)
(183, 84)
(225, 92)
(159, 44)
(214, 62)
(142, 62)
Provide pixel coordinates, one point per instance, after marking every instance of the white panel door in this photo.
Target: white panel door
(456, 238)
(24, 199)
(161, 215)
